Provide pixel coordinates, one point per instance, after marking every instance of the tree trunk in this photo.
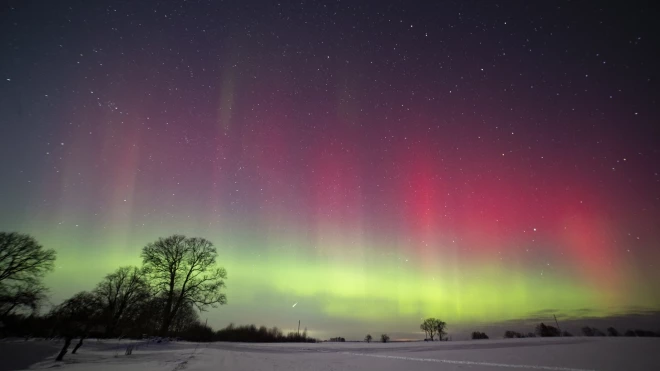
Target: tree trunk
(167, 312)
(80, 343)
(67, 342)
(114, 320)
(165, 326)
(172, 310)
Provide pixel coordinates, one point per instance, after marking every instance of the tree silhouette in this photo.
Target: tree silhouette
(479, 335)
(23, 263)
(25, 295)
(384, 338)
(118, 292)
(440, 327)
(611, 331)
(75, 318)
(544, 330)
(432, 326)
(428, 329)
(368, 338)
(183, 270)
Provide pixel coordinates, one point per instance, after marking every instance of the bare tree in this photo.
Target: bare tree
(440, 327)
(368, 338)
(25, 295)
(433, 326)
(118, 291)
(23, 263)
(428, 327)
(183, 270)
(384, 338)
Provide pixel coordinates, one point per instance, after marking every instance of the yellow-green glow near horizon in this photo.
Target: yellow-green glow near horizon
(376, 289)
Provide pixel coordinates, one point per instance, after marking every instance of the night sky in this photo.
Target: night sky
(374, 162)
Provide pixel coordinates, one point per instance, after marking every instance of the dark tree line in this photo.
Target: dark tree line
(543, 330)
(252, 334)
(178, 279)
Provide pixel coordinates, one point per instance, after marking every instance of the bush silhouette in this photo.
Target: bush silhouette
(543, 330)
(479, 335)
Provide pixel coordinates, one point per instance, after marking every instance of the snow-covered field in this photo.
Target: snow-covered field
(561, 354)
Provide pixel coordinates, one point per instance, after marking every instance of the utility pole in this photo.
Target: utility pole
(557, 322)
(298, 327)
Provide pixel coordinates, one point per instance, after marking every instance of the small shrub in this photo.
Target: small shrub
(543, 330)
(479, 335)
(513, 335)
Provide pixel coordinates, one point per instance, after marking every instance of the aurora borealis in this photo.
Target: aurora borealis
(474, 161)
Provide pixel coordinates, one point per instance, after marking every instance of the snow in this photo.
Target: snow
(559, 354)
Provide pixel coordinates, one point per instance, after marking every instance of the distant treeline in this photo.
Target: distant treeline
(252, 334)
(543, 330)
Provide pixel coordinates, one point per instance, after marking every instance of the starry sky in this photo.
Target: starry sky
(371, 162)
